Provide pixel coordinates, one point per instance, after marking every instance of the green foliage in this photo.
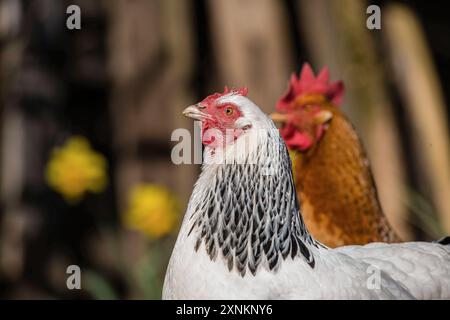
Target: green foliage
(98, 286)
(424, 215)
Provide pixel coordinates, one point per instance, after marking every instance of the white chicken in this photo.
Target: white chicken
(242, 236)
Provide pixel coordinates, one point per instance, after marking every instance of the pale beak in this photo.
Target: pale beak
(323, 116)
(278, 117)
(194, 112)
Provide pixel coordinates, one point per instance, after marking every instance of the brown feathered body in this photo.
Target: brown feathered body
(335, 186)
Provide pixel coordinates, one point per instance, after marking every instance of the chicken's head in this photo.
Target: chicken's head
(224, 116)
(304, 109)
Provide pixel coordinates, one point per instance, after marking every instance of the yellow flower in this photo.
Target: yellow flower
(75, 169)
(152, 209)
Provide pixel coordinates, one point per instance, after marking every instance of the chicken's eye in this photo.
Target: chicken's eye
(307, 108)
(229, 111)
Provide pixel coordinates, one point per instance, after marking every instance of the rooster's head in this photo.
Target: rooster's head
(304, 110)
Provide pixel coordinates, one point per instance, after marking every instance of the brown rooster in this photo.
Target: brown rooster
(332, 174)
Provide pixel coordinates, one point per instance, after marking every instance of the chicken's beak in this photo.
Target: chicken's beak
(194, 112)
(323, 117)
(278, 117)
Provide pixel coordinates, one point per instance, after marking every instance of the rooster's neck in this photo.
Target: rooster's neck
(248, 214)
(335, 185)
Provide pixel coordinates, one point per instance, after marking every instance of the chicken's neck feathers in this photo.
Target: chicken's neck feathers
(248, 213)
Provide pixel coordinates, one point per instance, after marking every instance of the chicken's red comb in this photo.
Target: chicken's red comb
(308, 84)
(213, 97)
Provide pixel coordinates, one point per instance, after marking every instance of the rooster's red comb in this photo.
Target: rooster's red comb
(307, 84)
(213, 97)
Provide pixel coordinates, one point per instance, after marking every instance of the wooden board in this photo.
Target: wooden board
(251, 47)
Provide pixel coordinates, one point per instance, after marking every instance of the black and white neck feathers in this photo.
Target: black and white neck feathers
(247, 211)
